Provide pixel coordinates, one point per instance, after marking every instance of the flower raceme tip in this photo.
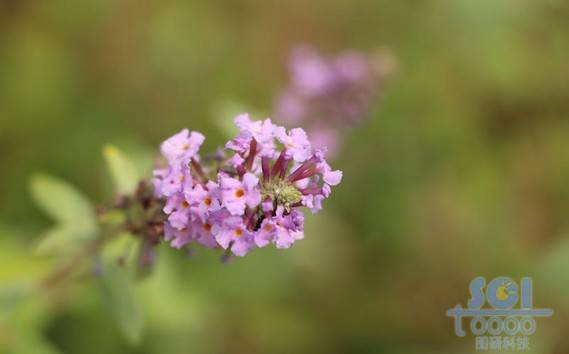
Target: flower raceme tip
(248, 195)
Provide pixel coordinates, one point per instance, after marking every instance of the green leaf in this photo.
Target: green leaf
(118, 292)
(62, 201)
(117, 284)
(76, 220)
(63, 238)
(122, 246)
(124, 173)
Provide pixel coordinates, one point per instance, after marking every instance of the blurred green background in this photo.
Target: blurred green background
(462, 170)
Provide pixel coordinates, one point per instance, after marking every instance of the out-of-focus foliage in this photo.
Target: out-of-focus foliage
(124, 173)
(75, 218)
(117, 286)
(461, 171)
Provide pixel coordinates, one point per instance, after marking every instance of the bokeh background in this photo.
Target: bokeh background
(462, 169)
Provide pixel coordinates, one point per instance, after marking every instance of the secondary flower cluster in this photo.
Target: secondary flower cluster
(247, 195)
(327, 95)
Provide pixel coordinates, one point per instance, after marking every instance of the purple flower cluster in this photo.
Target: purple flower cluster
(250, 195)
(327, 95)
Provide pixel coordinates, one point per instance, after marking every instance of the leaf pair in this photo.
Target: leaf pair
(76, 224)
(75, 217)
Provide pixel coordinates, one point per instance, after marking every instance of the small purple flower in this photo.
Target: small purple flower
(171, 181)
(204, 234)
(236, 160)
(290, 228)
(266, 232)
(177, 209)
(179, 219)
(261, 131)
(296, 143)
(237, 195)
(281, 230)
(178, 238)
(233, 233)
(204, 199)
(182, 146)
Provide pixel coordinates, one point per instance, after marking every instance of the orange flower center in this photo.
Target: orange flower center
(268, 227)
(238, 233)
(207, 201)
(185, 204)
(239, 193)
(207, 227)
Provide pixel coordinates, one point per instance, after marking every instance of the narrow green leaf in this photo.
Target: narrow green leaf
(118, 292)
(63, 239)
(76, 220)
(123, 246)
(62, 201)
(119, 258)
(124, 173)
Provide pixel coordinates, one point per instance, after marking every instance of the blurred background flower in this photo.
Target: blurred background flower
(461, 169)
(327, 96)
